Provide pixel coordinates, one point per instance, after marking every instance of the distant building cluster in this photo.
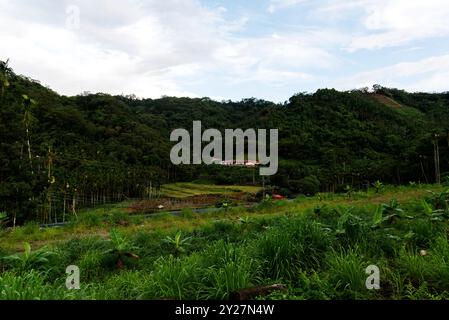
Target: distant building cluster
(245, 163)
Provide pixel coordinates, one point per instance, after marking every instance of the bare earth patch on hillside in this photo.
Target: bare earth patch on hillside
(387, 101)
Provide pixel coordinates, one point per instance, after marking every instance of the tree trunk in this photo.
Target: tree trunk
(74, 204)
(436, 156)
(29, 149)
(423, 171)
(63, 210)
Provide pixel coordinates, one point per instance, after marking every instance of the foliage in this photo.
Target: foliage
(347, 274)
(318, 252)
(309, 185)
(3, 219)
(121, 248)
(30, 260)
(378, 186)
(178, 242)
(291, 246)
(27, 286)
(95, 148)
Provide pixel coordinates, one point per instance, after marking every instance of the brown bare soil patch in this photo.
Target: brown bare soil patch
(387, 101)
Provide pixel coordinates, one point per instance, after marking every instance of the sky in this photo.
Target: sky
(268, 49)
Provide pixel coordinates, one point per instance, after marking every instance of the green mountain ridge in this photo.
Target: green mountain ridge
(104, 147)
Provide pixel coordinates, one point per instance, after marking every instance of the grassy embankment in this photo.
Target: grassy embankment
(318, 247)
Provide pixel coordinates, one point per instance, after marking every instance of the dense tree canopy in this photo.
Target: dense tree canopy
(58, 152)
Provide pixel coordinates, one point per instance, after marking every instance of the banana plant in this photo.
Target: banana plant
(432, 214)
(347, 220)
(393, 212)
(378, 217)
(120, 248)
(178, 242)
(378, 186)
(388, 213)
(245, 220)
(439, 200)
(30, 259)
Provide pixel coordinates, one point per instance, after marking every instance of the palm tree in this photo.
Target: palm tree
(28, 118)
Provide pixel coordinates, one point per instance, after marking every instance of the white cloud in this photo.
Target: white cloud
(184, 48)
(150, 48)
(392, 23)
(121, 47)
(429, 74)
(377, 24)
(276, 5)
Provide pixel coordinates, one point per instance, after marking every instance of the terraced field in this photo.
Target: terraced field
(185, 189)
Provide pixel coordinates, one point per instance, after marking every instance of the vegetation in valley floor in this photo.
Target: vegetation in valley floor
(317, 247)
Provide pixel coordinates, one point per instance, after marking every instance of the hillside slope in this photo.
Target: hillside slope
(99, 148)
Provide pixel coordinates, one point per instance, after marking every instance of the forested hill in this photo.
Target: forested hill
(96, 146)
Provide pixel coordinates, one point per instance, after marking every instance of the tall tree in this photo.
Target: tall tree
(28, 119)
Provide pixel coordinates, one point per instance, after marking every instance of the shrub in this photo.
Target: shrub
(309, 185)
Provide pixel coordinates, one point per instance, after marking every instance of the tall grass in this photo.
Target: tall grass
(26, 286)
(292, 245)
(175, 278)
(318, 247)
(228, 269)
(347, 273)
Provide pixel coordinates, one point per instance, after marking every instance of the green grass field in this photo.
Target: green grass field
(317, 247)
